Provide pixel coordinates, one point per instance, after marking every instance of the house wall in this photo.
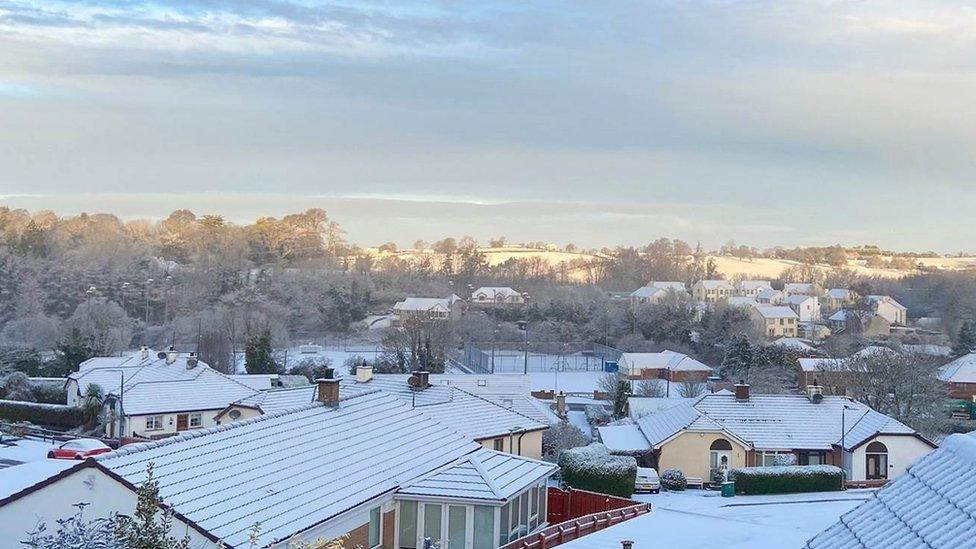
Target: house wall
(136, 425)
(902, 452)
(962, 390)
(103, 494)
(246, 413)
(72, 388)
(689, 453)
(531, 444)
(772, 327)
(890, 312)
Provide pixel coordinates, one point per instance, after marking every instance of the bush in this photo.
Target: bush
(49, 415)
(787, 479)
(593, 468)
(596, 414)
(673, 480)
(716, 476)
(784, 460)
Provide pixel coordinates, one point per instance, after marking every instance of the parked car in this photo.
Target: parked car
(79, 448)
(647, 481)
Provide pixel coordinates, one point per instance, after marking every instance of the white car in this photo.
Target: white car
(647, 481)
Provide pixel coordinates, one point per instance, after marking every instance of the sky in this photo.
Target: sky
(807, 122)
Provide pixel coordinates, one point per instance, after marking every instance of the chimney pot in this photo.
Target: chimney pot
(423, 379)
(328, 391)
(144, 352)
(626, 544)
(171, 355)
(742, 391)
(364, 373)
(328, 373)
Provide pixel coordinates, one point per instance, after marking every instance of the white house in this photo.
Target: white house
(751, 288)
(499, 295)
(770, 297)
(804, 288)
(668, 285)
(711, 291)
(366, 466)
(806, 307)
(427, 308)
(838, 298)
(646, 294)
(775, 321)
(889, 309)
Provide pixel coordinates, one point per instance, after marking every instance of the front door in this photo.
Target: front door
(720, 459)
(876, 466)
(182, 422)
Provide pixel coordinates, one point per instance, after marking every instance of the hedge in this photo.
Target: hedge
(593, 468)
(48, 415)
(788, 479)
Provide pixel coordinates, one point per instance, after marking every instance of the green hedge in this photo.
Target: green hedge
(788, 479)
(47, 415)
(593, 468)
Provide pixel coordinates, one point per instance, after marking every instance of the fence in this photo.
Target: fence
(576, 513)
(513, 357)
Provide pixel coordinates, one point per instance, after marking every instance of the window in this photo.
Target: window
(484, 524)
(543, 500)
(499, 444)
(457, 516)
(533, 509)
(196, 420)
(503, 530)
(408, 525)
(811, 458)
(235, 414)
(375, 526)
(767, 459)
(524, 517)
(432, 522)
(154, 423)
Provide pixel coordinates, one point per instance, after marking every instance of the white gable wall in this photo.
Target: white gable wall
(902, 452)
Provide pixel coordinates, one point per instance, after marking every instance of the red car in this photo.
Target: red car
(79, 448)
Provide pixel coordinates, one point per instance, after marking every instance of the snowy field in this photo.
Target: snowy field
(701, 519)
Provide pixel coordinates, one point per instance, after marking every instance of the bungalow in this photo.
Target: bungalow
(889, 309)
(427, 308)
(804, 288)
(646, 294)
(931, 506)
(770, 297)
(711, 291)
(667, 365)
(960, 374)
(497, 295)
(155, 395)
(752, 288)
(722, 431)
(806, 307)
(366, 467)
(774, 321)
(493, 425)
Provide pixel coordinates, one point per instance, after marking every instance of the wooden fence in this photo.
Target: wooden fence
(576, 513)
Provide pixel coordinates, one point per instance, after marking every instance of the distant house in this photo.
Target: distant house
(795, 344)
(838, 298)
(646, 294)
(364, 466)
(427, 308)
(930, 507)
(867, 323)
(960, 374)
(497, 295)
(155, 395)
(669, 285)
(740, 301)
(667, 365)
(889, 309)
(751, 288)
(775, 321)
(723, 431)
(806, 307)
(770, 297)
(835, 374)
(803, 288)
(711, 291)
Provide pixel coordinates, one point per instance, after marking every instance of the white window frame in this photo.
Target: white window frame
(154, 423)
(199, 421)
(379, 526)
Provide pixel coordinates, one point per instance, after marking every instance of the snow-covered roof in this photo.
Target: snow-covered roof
(798, 299)
(641, 406)
(668, 285)
(495, 291)
(769, 294)
(741, 301)
(623, 438)
(647, 292)
(754, 284)
(930, 506)
(483, 475)
(775, 311)
(210, 390)
(15, 479)
(108, 372)
(885, 299)
(264, 382)
(772, 422)
(839, 293)
(960, 370)
(798, 287)
(665, 360)
(715, 284)
(290, 471)
(794, 343)
(424, 304)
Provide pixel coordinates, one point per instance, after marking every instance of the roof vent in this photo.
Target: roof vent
(171, 355)
(742, 391)
(160, 355)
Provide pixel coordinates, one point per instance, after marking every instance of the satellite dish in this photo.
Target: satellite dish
(160, 354)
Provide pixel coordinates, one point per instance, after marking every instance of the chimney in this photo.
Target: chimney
(171, 355)
(815, 392)
(419, 380)
(626, 544)
(364, 373)
(144, 352)
(742, 391)
(328, 388)
(561, 404)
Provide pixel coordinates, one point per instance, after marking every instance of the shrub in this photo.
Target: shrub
(787, 479)
(597, 414)
(51, 415)
(561, 436)
(784, 460)
(716, 476)
(593, 468)
(673, 480)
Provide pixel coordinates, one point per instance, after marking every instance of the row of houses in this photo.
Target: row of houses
(446, 308)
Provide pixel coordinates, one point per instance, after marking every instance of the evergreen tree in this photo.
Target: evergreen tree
(966, 340)
(73, 350)
(620, 395)
(144, 530)
(257, 354)
(738, 358)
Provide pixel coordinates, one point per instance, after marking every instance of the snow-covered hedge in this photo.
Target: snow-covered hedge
(673, 480)
(596, 414)
(593, 468)
(787, 479)
(48, 415)
(784, 460)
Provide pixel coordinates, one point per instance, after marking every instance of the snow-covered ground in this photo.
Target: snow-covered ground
(567, 382)
(14, 451)
(701, 518)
